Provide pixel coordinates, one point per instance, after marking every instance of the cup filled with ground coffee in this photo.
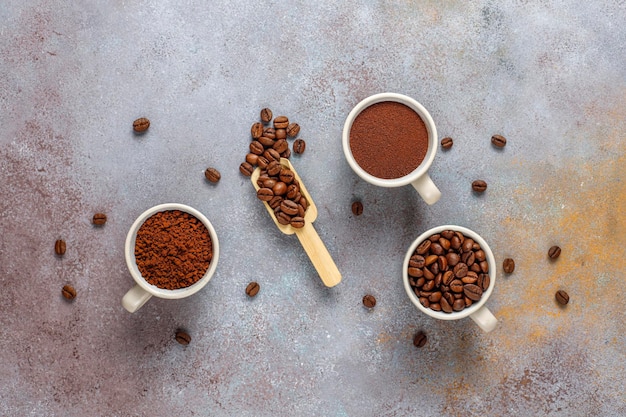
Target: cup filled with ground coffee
(171, 251)
(449, 272)
(390, 140)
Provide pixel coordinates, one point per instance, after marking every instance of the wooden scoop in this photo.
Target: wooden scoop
(310, 240)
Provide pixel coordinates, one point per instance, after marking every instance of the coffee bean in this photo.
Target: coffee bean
(293, 129)
(562, 297)
(508, 265)
(472, 291)
(265, 194)
(424, 247)
(246, 169)
(141, 125)
(297, 222)
(286, 154)
(498, 141)
(271, 155)
(456, 286)
(446, 143)
(252, 289)
(213, 175)
(280, 146)
(275, 201)
(280, 188)
(68, 292)
(424, 301)
(467, 245)
(182, 337)
(266, 141)
(453, 259)
(460, 270)
(256, 130)
(252, 158)
(420, 339)
(289, 207)
(479, 186)
(458, 304)
(59, 247)
(554, 252)
(442, 262)
(273, 168)
(283, 218)
(269, 132)
(485, 281)
(447, 278)
(369, 301)
(99, 219)
(266, 115)
(256, 147)
(299, 146)
(357, 208)
(281, 122)
(286, 175)
(262, 162)
(281, 134)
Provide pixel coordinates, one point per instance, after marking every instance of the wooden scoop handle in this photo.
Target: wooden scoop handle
(315, 248)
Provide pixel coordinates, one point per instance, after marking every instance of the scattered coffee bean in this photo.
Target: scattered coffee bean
(357, 208)
(246, 169)
(59, 247)
(252, 289)
(68, 292)
(99, 219)
(256, 130)
(420, 339)
(479, 186)
(182, 337)
(257, 147)
(212, 174)
(498, 141)
(508, 265)
(299, 145)
(293, 129)
(297, 222)
(281, 134)
(446, 143)
(562, 297)
(281, 122)
(446, 272)
(554, 252)
(266, 115)
(141, 125)
(369, 301)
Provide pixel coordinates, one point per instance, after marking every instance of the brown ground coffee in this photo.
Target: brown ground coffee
(388, 140)
(173, 249)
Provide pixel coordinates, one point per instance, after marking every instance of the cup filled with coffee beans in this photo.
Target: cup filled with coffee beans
(390, 140)
(171, 252)
(449, 272)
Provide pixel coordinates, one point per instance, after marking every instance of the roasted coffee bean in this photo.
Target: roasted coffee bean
(420, 282)
(424, 301)
(469, 280)
(455, 243)
(256, 130)
(246, 169)
(434, 268)
(182, 337)
(445, 306)
(99, 219)
(265, 194)
(212, 174)
(456, 286)
(141, 125)
(280, 188)
(425, 293)
(293, 129)
(59, 247)
(443, 263)
(453, 259)
(271, 156)
(269, 132)
(448, 277)
(269, 183)
(275, 201)
(449, 297)
(297, 222)
(420, 339)
(68, 292)
(357, 208)
(415, 272)
(292, 190)
(468, 301)
(369, 301)
(286, 154)
(266, 115)
(429, 285)
(446, 143)
(289, 207)
(267, 141)
(485, 282)
(460, 270)
(283, 218)
(498, 141)
(444, 243)
(435, 237)
(484, 266)
(475, 267)
(436, 248)
(554, 252)
(424, 247)
(473, 292)
(256, 147)
(480, 255)
(430, 259)
(435, 306)
(479, 186)
(417, 261)
(467, 244)
(562, 297)
(299, 145)
(252, 158)
(468, 258)
(280, 146)
(286, 176)
(435, 296)
(458, 304)
(508, 265)
(281, 122)
(262, 162)
(252, 289)
(281, 134)
(273, 168)
(428, 274)
(303, 202)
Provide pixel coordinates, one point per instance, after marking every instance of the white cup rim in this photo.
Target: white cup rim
(430, 127)
(455, 315)
(129, 250)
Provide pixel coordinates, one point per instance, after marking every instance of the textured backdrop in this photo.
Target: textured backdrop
(550, 76)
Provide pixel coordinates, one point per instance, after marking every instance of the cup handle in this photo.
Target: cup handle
(427, 189)
(135, 298)
(484, 319)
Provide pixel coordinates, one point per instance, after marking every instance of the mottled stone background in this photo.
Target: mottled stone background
(548, 75)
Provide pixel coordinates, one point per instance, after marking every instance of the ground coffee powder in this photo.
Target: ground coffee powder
(388, 140)
(173, 249)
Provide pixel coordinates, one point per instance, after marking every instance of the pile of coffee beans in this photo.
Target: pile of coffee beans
(448, 272)
(281, 190)
(269, 141)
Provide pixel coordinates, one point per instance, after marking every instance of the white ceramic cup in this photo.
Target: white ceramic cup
(137, 296)
(419, 177)
(477, 311)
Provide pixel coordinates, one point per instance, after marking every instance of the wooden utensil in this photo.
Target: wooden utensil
(310, 240)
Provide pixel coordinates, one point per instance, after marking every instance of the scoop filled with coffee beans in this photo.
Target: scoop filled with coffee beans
(293, 211)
